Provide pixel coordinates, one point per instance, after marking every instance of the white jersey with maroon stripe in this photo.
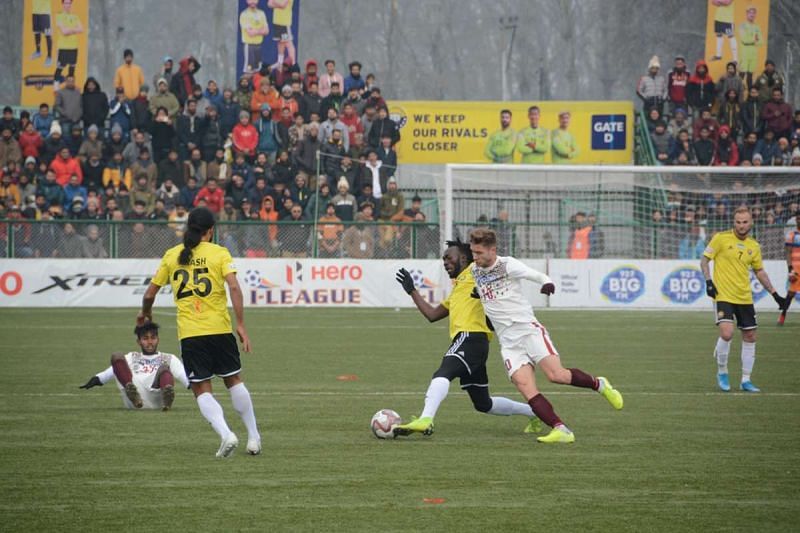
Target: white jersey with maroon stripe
(500, 289)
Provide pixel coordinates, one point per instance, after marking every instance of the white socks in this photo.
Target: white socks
(748, 359)
(734, 49)
(437, 392)
(719, 46)
(505, 407)
(721, 351)
(212, 411)
(242, 404)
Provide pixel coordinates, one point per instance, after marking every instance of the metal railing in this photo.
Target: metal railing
(151, 238)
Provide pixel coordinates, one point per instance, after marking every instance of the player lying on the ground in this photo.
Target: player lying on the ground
(793, 262)
(524, 342)
(147, 378)
(734, 254)
(469, 350)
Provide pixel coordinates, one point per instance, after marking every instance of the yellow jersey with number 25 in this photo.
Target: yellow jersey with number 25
(733, 259)
(198, 288)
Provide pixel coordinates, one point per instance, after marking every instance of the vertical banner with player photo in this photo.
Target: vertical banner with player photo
(55, 44)
(738, 31)
(267, 34)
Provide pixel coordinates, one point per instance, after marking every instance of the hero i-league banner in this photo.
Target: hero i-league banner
(55, 44)
(600, 283)
(267, 34)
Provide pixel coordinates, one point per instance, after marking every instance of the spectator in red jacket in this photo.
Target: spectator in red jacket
(777, 115)
(727, 153)
(352, 122)
(706, 121)
(213, 196)
(677, 79)
(65, 166)
(245, 136)
(30, 141)
(311, 74)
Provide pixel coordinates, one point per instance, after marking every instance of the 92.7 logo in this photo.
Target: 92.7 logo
(199, 279)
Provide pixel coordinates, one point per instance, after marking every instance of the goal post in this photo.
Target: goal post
(633, 211)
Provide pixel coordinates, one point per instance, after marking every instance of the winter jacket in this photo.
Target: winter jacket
(89, 148)
(245, 139)
(130, 78)
(770, 152)
(726, 83)
(170, 170)
(746, 152)
(312, 103)
(95, 106)
(267, 136)
(711, 124)
(93, 175)
(765, 83)
(652, 89)
(270, 98)
(117, 176)
(307, 77)
(167, 101)
(381, 128)
(700, 89)
(353, 82)
(42, 124)
(326, 132)
(214, 99)
(727, 152)
(751, 117)
(189, 129)
(64, 168)
(120, 113)
(305, 155)
(51, 148)
(325, 81)
(777, 116)
(331, 155)
(704, 150)
(212, 137)
(162, 137)
(677, 81)
(31, 144)
(730, 115)
(68, 105)
(52, 191)
(228, 116)
(183, 80)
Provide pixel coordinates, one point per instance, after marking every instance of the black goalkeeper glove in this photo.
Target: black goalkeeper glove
(548, 289)
(94, 382)
(404, 278)
(711, 289)
(780, 300)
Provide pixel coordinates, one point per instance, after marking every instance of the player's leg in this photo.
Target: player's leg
(165, 382)
(198, 362)
(501, 406)
(290, 46)
(733, 43)
(124, 375)
(525, 381)
(243, 405)
(48, 37)
(789, 297)
(724, 318)
(746, 320)
(718, 53)
(37, 36)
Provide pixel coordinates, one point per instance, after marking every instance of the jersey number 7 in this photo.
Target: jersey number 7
(203, 284)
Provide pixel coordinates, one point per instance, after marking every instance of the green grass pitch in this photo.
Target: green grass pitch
(680, 457)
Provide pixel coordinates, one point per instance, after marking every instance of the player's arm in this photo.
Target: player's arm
(763, 278)
(99, 379)
(178, 372)
(237, 299)
(146, 313)
(430, 312)
(518, 269)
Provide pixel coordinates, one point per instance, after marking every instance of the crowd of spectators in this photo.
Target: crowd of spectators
(284, 144)
(694, 120)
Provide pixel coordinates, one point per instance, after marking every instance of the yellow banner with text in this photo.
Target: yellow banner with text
(557, 132)
(737, 31)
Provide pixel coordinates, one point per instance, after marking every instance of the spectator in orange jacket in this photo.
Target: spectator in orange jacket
(266, 94)
(65, 166)
(245, 136)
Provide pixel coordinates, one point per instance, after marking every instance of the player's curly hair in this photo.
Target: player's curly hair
(150, 327)
(463, 247)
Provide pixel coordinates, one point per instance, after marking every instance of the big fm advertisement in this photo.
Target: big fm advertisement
(55, 44)
(514, 132)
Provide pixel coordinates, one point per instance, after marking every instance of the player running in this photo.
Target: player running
(734, 254)
(524, 342)
(146, 379)
(197, 271)
(469, 350)
(793, 262)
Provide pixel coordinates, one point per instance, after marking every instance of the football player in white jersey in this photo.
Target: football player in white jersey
(524, 342)
(147, 378)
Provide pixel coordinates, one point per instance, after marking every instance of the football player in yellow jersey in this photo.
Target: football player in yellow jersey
(42, 26)
(197, 272)
(723, 25)
(734, 254)
(793, 262)
(750, 38)
(69, 26)
(282, 26)
(466, 357)
(253, 22)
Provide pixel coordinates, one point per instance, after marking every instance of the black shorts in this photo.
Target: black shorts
(745, 314)
(207, 356)
(41, 24)
(466, 359)
(281, 33)
(67, 57)
(252, 57)
(723, 28)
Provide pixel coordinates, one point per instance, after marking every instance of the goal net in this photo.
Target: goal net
(542, 211)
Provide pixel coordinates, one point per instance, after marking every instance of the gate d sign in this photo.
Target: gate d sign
(609, 132)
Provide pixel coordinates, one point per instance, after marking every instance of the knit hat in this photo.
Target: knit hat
(654, 63)
(144, 88)
(243, 114)
(30, 159)
(166, 58)
(93, 129)
(287, 89)
(162, 80)
(343, 182)
(116, 128)
(55, 127)
(392, 180)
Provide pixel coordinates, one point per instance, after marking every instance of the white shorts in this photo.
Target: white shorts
(522, 344)
(151, 398)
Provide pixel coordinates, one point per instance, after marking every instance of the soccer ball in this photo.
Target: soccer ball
(383, 423)
(252, 278)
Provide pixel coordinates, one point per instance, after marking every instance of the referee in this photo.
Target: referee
(197, 272)
(734, 254)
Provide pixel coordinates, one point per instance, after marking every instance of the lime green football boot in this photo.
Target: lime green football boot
(611, 394)
(558, 436)
(417, 425)
(534, 426)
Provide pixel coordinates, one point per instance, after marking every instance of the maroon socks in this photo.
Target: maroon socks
(122, 371)
(165, 379)
(544, 411)
(582, 379)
